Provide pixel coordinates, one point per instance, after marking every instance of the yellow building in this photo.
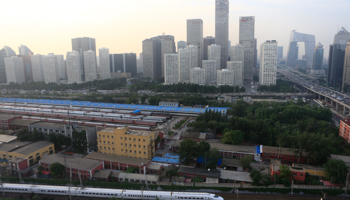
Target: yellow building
(312, 170)
(124, 142)
(11, 148)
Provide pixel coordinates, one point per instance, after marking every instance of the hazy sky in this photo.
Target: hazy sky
(47, 26)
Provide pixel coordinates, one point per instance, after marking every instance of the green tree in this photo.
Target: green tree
(79, 141)
(58, 140)
(188, 151)
(57, 169)
(286, 175)
(233, 137)
(40, 170)
(203, 148)
(336, 169)
(170, 173)
(246, 160)
(212, 158)
(256, 176)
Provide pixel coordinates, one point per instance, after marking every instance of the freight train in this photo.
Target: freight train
(104, 193)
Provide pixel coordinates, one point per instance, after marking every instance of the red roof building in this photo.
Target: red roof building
(344, 129)
(298, 173)
(285, 155)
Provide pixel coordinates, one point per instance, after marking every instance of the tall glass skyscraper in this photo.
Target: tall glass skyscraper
(221, 29)
(80, 45)
(195, 36)
(336, 58)
(2, 66)
(247, 40)
(318, 57)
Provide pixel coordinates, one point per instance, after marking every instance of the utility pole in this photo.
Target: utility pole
(292, 187)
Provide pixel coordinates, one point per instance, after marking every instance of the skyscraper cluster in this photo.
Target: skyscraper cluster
(221, 63)
(80, 64)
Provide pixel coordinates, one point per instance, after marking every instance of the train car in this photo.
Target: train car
(107, 110)
(151, 123)
(104, 192)
(125, 121)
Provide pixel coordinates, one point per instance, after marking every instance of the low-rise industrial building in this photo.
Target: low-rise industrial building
(232, 164)
(121, 163)
(20, 124)
(33, 151)
(297, 172)
(235, 177)
(138, 178)
(197, 172)
(124, 142)
(286, 155)
(85, 168)
(5, 120)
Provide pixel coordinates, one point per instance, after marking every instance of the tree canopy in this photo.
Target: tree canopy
(57, 169)
(337, 170)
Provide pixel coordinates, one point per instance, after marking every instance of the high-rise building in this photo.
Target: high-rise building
(105, 72)
(62, 71)
(14, 69)
(51, 68)
(152, 61)
(336, 58)
(37, 67)
(171, 68)
(80, 45)
(207, 41)
(181, 45)
(237, 55)
(2, 66)
(9, 51)
(279, 53)
(318, 57)
(90, 68)
(268, 63)
(214, 53)
(25, 51)
(123, 63)
(210, 68)
(247, 40)
(222, 29)
(140, 64)
(237, 68)
(346, 70)
(27, 67)
(197, 76)
(195, 36)
(292, 54)
(73, 67)
(187, 60)
(167, 45)
(225, 77)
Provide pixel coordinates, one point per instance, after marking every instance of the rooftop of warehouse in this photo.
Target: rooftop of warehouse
(6, 147)
(33, 147)
(111, 105)
(119, 159)
(6, 116)
(48, 124)
(21, 122)
(72, 162)
(199, 172)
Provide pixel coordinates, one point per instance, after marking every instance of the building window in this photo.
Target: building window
(129, 145)
(112, 143)
(139, 152)
(139, 140)
(126, 150)
(135, 151)
(98, 135)
(113, 149)
(144, 152)
(121, 144)
(100, 147)
(100, 141)
(144, 146)
(112, 136)
(301, 174)
(122, 149)
(107, 136)
(129, 138)
(121, 138)
(144, 140)
(134, 145)
(103, 135)
(139, 146)
(104, 148)
(108, 142)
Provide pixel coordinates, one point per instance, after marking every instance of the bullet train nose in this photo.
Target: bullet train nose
(218, 198)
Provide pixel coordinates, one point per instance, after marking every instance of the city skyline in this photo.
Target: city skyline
(50, 29)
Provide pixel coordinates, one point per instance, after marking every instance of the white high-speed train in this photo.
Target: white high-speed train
(104, 193)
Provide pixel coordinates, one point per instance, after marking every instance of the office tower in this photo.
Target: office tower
(187, 60)
(229, 50)
(90, 69)
(279, 53)
(197, 76)
(346, 71)
(247, 40)
(207, 41)
(318, 57)
(167, 45)
(237, 68)
(62, 71)
(2, 66)
(256, 54)
(292, 54)
(225, 77)
(27, 67)
(73, 67)
(336, 58)
(214, 53)
(140, 64)
(195, 36)
(14, 69)
(9, 51)
(181, 45)
(151, 51)
(237, 54)
(24, 51)
(171, 68)
(50, 66)
(80, 45)
(37, 67)
(105, 72)
(123, 63)
(210, 71)
(268, 63)
(221, 29)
